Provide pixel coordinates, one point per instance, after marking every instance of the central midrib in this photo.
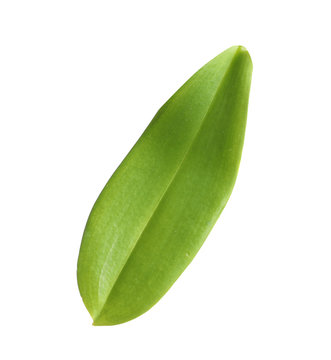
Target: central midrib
(165, 191)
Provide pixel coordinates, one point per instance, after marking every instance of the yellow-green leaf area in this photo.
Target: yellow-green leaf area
(158, 207)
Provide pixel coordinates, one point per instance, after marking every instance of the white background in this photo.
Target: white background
(79, 82)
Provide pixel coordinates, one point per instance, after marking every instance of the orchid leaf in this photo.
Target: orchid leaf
(159, 206)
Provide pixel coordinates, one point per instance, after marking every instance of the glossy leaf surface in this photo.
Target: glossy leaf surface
(160, 204)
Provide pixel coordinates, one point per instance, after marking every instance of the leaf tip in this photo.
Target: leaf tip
(243, 51)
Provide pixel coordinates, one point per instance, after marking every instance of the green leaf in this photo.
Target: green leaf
(157, 209)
